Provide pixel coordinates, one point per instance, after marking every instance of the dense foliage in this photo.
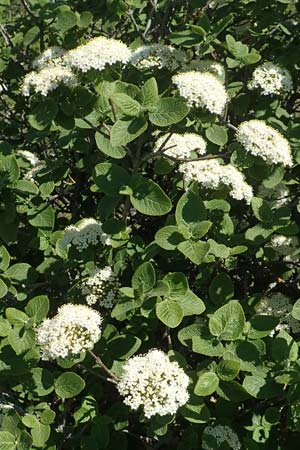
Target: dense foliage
(157, 190)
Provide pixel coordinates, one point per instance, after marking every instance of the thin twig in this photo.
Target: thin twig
(6, 37)
(95, 373)
(113, 108)
(126, 208)
(112, 377)
(28, 9)
(137, 28)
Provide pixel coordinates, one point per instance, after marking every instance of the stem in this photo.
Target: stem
(95, 373)
(112, 378)
(126, 208)
(185, 160)
(113, 108)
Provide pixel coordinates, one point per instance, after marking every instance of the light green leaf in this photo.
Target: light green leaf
(3, 288)
(43, 217)
(168, 111)
(4, 258)
(124, 131)
(16, 317)
(38, 307)
(105, 146)
(40, 435)
(148, 197)
(190, 210)
(178, 285)
(110, 178)
(170, 313)
(296, 310)
(217, 134)
(66, 20)
(261, 209)
(7, 441)
(127, 105)
(191, 304)
(69, 385)
(168, 237)
(194, 250)
(43, 114)
(227, 323)
(144, 277)
(206, 384)
(149, 93)
(227, 370)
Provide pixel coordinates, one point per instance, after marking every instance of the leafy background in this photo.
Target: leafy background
(192, 265)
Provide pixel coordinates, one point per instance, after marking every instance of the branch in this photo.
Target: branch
(112, 378)
(137, 28)
(6, 37)
(28, 9)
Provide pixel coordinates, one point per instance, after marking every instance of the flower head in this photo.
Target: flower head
(87, 232)
(262, 140)
(153, 382)
(181, 145)
(101, 287)
(48, 79)
(213, 175)
(97, 54)
(278, 196)
(48, 56)
(74, 328)
(159, 56)
(205, 65)
(221, 434)
(271, 79)
(202, 90)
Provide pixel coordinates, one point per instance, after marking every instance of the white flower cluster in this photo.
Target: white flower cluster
(48, 79)
(101, 287)
(278, 305)
(205, 66)
(29, 156)
(153, 382)
(202, 90)
(48, 56)
(262, 140)
(213, 175)
(278, 196)
(87, 232)
(181, 145)
(159, 56)
(271, 79)
(287, 246)
(74, 328)
(221, 434)
(97, 53)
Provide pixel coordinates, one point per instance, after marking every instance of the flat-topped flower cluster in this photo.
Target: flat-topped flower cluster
(87, 232)
(101, 287)
(74, 328)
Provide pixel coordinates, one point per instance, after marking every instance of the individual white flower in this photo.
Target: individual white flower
(153, 382)
(221, 434)
(29, 156)
(48, 79)
(205, 65)
(213, 175)
(87, 232)
(97, 53)
(181, 145)
(202, 90)
(74, 328)
(278, 196)
(52, 53)
(260, 139)
(271, 79)
(278, 305)
(158, 56)
(101, 287)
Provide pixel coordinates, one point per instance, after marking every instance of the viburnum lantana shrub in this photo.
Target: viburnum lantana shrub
(149, 225)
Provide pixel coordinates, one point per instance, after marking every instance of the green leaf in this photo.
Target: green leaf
(21, 340)
(168, 111)
(238, 49)
(38, 307)
(195, 411)
(227, 323)
(41, 381)
(170, 313)
(16, 317)
(148, 197)
(149, 93)
(190, 210)
(260, 387)
(43, 114)
(124, 346)
(86, 17)
(68, 385)
(105, 146)
(206, 384)
(19, 271)
(261, 326)
(40, 435)
(178, 285)
(261, 209)
(296, 310)
(27, 186)
(218, 250)
(127, 105)
(221, 289)
(199, 338)
(194, 250)
(124, 131)
(168, 237)
(31, 35)
(227, 370)
(7, 441)
(110, 178)
(3, 288)
(217, 134)
(4, 258)
(66, 20)
(191, 304)
(9, 165)
(144, 277)
(43, 217)
(24, 441)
